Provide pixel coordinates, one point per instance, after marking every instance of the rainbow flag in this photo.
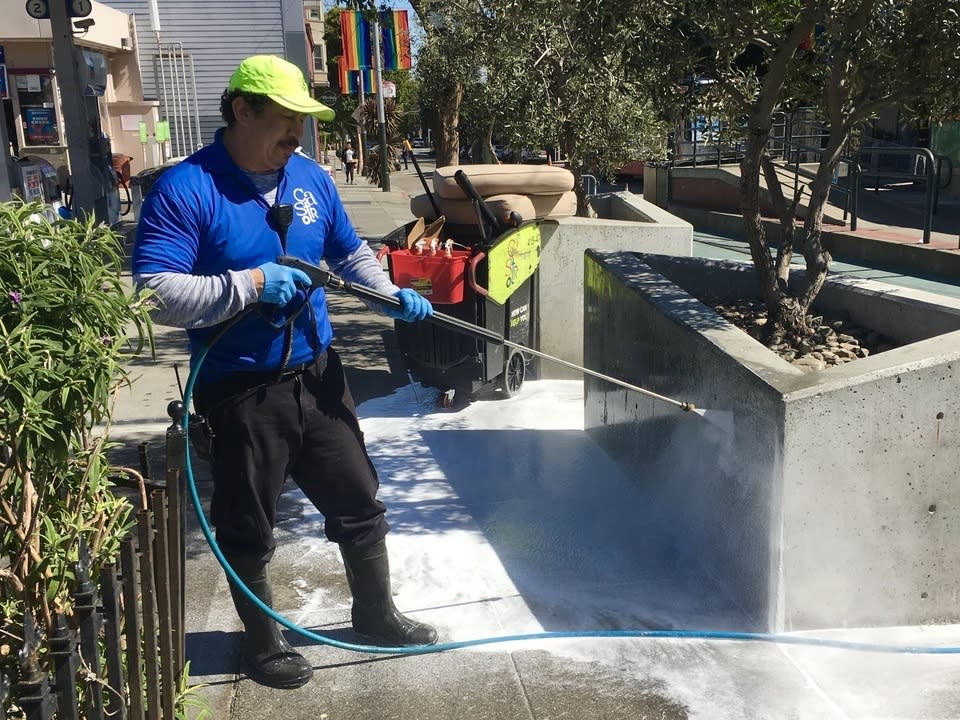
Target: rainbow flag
(350, 80)
(355, 35)
(395, 39)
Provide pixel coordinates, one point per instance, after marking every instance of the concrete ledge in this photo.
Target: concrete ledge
(630, 223)
(818, 500)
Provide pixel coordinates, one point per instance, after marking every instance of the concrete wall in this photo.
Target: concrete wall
(627, 223)
(819, 500)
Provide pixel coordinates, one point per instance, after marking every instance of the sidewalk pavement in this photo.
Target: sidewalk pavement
(478, 592)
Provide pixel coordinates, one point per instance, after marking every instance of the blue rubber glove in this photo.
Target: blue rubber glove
(279, 283)
(413, 306)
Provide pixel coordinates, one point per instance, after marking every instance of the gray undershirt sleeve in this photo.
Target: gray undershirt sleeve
(196, 301)
(363, 268)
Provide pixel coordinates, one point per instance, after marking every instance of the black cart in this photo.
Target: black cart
(489, 283)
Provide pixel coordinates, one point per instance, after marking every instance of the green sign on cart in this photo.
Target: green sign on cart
(163, 130)
(512, 260)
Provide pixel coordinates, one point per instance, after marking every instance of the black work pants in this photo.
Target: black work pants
(303, 425)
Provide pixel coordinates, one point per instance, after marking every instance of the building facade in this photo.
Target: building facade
(188, 50)
(32, 104)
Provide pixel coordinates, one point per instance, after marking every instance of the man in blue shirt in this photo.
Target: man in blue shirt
(271, 387)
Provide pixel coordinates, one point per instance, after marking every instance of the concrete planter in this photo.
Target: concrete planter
(817, 500)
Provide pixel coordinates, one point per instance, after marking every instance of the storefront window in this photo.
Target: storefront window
(37, 109)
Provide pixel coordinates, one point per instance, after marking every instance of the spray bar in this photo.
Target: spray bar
(325, 278)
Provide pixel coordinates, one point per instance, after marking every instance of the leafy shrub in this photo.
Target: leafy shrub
(68, 324)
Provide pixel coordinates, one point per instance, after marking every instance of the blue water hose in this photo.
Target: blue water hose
(777, 638)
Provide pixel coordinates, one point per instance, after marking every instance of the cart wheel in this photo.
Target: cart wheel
(513, 374)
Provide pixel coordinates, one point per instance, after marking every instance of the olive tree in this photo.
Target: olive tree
(540, 74)
(565, 82)
(848, 58)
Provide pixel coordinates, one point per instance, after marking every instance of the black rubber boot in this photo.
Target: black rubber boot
(267, 657)
(374, 615)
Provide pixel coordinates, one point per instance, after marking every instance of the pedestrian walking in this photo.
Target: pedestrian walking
(349, 162)
(272, 387)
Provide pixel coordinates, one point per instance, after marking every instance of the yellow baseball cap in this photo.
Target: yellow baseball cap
(281, 81)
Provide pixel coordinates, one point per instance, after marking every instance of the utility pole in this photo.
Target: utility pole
(378, 73)
(6, 186)
(361, 136)
(79, 133)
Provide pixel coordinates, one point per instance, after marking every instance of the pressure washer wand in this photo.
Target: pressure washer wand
(325, 278)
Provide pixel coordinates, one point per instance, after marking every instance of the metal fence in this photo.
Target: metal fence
(120, 655)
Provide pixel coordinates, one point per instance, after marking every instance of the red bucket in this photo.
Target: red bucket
(439, 278)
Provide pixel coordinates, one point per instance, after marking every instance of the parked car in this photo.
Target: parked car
(418, 142)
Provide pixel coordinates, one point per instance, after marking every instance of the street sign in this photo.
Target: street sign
(80, 8)
(40, 9)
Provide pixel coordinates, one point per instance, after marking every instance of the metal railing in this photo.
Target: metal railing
(930, 175)
(793, 151)
(124, 647)
(799, 135)
(589, 184)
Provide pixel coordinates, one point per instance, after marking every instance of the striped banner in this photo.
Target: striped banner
(395, 37)
(350, 80)
(355, 35)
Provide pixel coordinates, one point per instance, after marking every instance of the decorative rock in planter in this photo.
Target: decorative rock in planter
(831, 499)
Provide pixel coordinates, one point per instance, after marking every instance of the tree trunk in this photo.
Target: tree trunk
(785, 316)
(817, 259)
(447, 143)
(571, 150)
(482, 151)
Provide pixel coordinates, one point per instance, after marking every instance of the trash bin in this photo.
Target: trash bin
(121, 165)
(142, 182)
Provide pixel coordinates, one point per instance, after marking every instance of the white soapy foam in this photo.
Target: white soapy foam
(506, 519)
